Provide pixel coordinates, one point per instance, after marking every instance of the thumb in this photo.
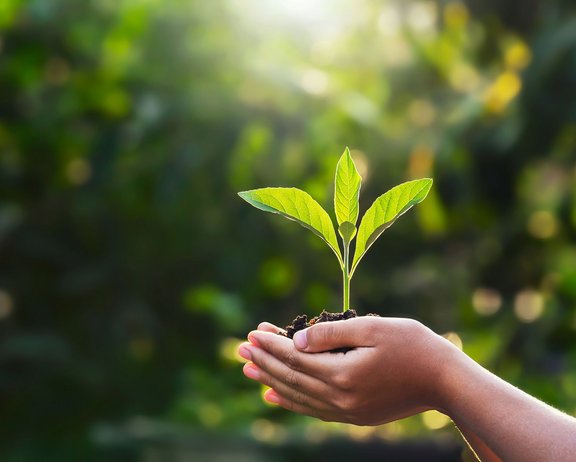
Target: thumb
(331, 335)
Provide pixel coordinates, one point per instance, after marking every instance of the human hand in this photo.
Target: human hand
(394, 370)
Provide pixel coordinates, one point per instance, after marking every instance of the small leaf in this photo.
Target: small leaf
(347, 190)
(347, 230)
(296, 205)
(385, 211)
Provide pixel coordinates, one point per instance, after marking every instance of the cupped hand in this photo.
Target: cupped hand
(393, 370)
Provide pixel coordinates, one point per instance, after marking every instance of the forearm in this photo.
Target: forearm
(514, 425)
(371, 384)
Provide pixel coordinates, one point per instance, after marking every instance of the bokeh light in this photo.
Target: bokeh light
(486, 301)
(130, 271)
(529, 305)
(435, 420)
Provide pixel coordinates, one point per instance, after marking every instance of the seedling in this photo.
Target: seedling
(299, 206)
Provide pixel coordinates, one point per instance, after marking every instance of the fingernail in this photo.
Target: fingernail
(245, 352)
(271, 397)
(300, 340)
(251, 372)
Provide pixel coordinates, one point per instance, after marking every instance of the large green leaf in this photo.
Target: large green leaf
(385, 211)
(296, 205)
(347, 190)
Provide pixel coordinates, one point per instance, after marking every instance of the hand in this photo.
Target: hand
(393, 371)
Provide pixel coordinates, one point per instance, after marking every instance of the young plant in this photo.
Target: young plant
(299, 206)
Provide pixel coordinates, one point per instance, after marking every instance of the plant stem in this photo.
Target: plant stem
(346, 278)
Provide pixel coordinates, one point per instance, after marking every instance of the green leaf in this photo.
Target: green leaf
(385, 211)
(296, 205)
(347, 190)
(347, 230)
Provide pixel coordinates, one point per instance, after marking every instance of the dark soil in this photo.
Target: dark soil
(301, 322)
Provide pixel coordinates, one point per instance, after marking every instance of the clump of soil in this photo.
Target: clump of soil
(301, 322)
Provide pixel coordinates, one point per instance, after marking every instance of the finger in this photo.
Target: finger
(295, 395)
(269, 327)
(275, 397)
(283, 350)
(279, 372)
(326, 336)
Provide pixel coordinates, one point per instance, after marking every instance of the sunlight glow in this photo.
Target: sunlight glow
(320, 18)
(314, 81)
(389, 21)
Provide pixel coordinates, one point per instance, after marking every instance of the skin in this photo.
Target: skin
(398, 368)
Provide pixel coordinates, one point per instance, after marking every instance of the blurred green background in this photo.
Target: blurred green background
(130, 270)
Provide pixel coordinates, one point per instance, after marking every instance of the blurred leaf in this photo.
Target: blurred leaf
(224, 307)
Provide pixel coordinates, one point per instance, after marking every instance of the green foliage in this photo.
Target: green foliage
(385, 211)
(347, 194)
(128, 270)
(297, 205)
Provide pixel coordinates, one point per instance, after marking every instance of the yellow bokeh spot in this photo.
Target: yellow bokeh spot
(456, 15)
(399, 52)
(543, 224)
(390, 432)
(464, 78)
(435, 420)
(361, 433)
(266, 431)
(115, 103)
(486, 301)
(210, 414)
(421, 161)
(504, 89)
(229, 349)
(454, 339)
(517, 56)
(528, 305)
(421, 16)
(78, 171)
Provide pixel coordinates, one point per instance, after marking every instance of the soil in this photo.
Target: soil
(301, 322)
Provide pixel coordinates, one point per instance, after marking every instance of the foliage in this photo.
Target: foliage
(127, 263)
(297, 205)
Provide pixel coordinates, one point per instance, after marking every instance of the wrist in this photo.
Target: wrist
(450, 368)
